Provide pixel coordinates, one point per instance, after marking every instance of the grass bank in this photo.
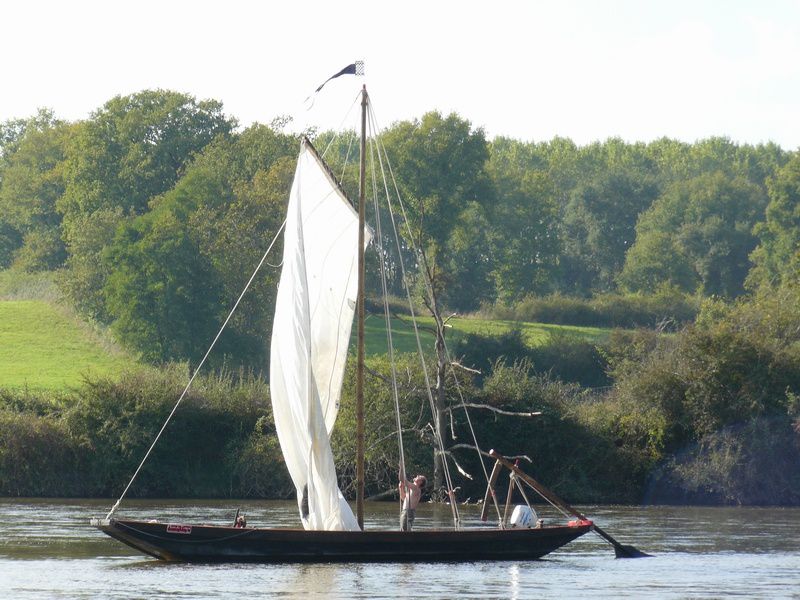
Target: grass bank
(44, 346)
(534, 334)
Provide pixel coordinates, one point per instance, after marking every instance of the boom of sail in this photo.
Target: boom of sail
(311, 332)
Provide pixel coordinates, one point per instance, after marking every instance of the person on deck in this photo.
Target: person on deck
(410, 494)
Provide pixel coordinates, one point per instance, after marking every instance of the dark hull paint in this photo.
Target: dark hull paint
(207, 543)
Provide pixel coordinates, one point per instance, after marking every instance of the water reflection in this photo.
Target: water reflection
(513, 580)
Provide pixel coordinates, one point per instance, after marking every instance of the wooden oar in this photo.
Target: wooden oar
(620, 550)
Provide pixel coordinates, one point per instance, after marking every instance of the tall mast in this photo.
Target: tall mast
(360, 354)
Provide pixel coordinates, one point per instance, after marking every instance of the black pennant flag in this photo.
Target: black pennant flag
(357, 68)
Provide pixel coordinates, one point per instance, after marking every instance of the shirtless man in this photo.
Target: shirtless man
(410, 494)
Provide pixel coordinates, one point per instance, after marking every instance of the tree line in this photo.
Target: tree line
(156, 208)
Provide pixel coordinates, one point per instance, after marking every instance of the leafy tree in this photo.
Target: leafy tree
(754, 163)
(86, 272)
(162, 292)
(777, 257)
(656, 258)
(235, 234)
(561, 159)
(704, 224)
(13, 131)
(175, 272)
(10, 241)
(131, 150)
(442, 160)
(599, 227)
(135, 148)
(31, 184)
(525, 219)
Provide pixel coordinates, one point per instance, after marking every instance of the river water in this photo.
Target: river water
(48, 550)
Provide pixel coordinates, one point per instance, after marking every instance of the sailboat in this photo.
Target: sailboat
(321, 286)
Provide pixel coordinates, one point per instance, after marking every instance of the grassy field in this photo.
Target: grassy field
(44, 347)
(405, 341)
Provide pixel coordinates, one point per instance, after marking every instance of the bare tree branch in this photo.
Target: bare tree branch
(494, 409)
(467, 369)
(458, 466)
(473, 448)
(446, 319)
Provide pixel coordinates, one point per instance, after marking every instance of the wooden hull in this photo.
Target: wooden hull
(206, 543)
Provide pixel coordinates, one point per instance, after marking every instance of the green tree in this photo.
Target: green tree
(162, 292)
(131, 150)
(524, 221)
(600, 227)
(30, 185)
(777, 258)
(704, 224)
(657, 259)
(174, 273)
(258, 167)
(442, 161)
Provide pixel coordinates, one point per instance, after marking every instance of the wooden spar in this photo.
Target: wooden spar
(490, 495)
(621, 551)
(509, 495)
(360, 475)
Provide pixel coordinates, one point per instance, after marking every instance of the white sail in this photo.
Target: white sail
(311, 332)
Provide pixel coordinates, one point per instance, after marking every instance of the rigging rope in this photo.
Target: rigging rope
(430, 292)
(389, 338)
(434, 412)
(356, 100)
(196, 371)
(545, 498)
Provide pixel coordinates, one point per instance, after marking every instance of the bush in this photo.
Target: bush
(718, 402)
(555, 308)
(570, 358)
(38, 457)
(20, 285)
(481, 351)
(258, 467)
(566, 451)
(668, 309)
(754, 463)
(564, 356)
(220, 442)
(199, 452)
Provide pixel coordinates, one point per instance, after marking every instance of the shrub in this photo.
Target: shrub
(38, 457)
(20, 285)
(668, 309)
(564, 356)
(753, 463)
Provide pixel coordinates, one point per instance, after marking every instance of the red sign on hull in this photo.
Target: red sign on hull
(183, 529)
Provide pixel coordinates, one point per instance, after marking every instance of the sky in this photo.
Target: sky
(582, 69)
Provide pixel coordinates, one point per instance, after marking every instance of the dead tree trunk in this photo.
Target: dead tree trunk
(439, 392)
(440, 405)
